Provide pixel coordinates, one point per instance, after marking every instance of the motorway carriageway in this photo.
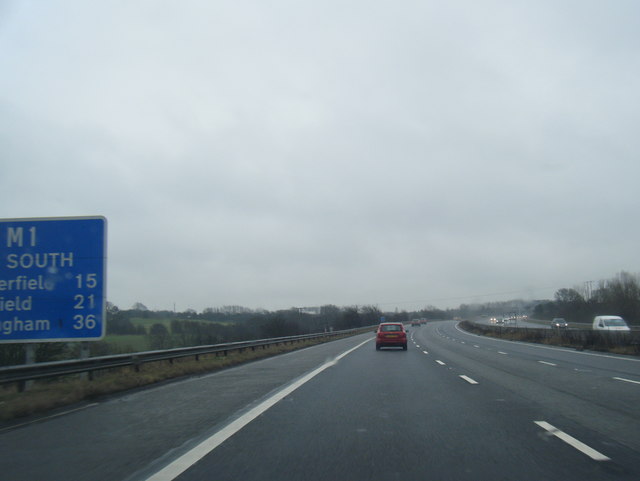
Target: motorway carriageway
(454, 406)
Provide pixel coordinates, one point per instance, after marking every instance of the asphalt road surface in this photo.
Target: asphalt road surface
(453, 407)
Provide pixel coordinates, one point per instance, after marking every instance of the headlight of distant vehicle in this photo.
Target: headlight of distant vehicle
(559, 322)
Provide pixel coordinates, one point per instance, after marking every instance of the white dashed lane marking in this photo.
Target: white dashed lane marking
(468, 379)
(571, 441)
(626, 380)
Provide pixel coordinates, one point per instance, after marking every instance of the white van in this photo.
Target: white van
(610, 323)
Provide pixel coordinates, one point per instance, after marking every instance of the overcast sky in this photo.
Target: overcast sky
(294, 153)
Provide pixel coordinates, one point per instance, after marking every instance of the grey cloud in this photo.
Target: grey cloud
(288, 154)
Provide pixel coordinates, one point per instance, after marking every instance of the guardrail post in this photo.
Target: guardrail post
(136, 363)
(84, 354)
(29, 358)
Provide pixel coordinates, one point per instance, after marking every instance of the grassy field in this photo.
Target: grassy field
(128, 342)
(148, 322)
(121, 343)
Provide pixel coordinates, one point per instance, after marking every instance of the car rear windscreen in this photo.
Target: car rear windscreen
(390, 328)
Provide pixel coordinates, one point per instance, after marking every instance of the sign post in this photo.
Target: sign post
(52, 279)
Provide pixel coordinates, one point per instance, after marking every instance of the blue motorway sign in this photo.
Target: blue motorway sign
(52, 279)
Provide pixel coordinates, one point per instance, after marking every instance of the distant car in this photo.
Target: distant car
(391, 334)
(415, 322)
(559, 322)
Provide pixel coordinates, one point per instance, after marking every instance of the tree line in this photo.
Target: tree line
(246, 325)
(211, 327)
(215, 326)
(619, 296)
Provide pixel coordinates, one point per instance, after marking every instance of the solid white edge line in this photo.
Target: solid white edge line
(184, 462)
(626, 380)
(39, 420)
(571, 441)
(468, 379)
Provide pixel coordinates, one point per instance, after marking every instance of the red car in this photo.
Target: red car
(391, 334)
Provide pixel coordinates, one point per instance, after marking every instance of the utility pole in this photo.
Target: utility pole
(588, 288)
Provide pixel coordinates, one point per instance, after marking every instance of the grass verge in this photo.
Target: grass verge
(45, 396)
(576, 339)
